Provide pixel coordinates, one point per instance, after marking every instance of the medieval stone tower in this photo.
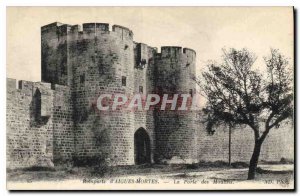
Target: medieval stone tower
(56, 121)
(98, 61)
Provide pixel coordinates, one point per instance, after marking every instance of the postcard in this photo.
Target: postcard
(150, 98)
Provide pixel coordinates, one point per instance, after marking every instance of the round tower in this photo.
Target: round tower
(102, 63)
(175, 129)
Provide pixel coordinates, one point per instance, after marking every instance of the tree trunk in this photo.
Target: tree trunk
(254, 160)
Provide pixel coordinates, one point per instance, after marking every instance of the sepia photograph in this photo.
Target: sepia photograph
(150, 98)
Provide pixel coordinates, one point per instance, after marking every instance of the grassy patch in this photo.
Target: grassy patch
(240, 165)
(39, 168)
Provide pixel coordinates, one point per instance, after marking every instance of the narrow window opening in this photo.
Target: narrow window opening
(37, 105)
(82, 78)
(20, 84)
(141, 89)
(123, 81)
(101, 69)
(191, 92)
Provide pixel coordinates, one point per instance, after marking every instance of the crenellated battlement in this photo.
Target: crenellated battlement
(188, 50)
(24, 85)
(87, 28)
(170, 50)
(51, 26)
(122, 30)
(11, 83)
(95, 27)
(63, 41)
(177, 52)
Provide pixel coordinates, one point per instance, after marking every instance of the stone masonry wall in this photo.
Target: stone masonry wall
(278, 144)
(37, 116)
(144, 85)
(63, 126)
(55, 53)
(100, 61)
(175, 130)
(29, 140)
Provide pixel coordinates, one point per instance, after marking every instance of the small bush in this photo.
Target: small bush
(39, 168)
(192, 166)
(87, 161)
(286, 161)
(220, 164)
(239, 165)
(213, 164)
(97, 163)
(100, 170)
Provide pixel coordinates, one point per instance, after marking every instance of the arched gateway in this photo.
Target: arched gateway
(142, 150)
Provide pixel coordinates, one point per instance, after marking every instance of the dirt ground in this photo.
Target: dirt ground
(152, 177)
(281, 172)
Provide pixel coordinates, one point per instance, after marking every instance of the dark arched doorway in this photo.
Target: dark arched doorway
(142, 151)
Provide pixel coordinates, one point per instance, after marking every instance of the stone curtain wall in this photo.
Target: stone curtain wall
(29, 140)
(278, 144)
(37, 136)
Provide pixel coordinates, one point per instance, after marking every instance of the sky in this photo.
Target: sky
(205, 29)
